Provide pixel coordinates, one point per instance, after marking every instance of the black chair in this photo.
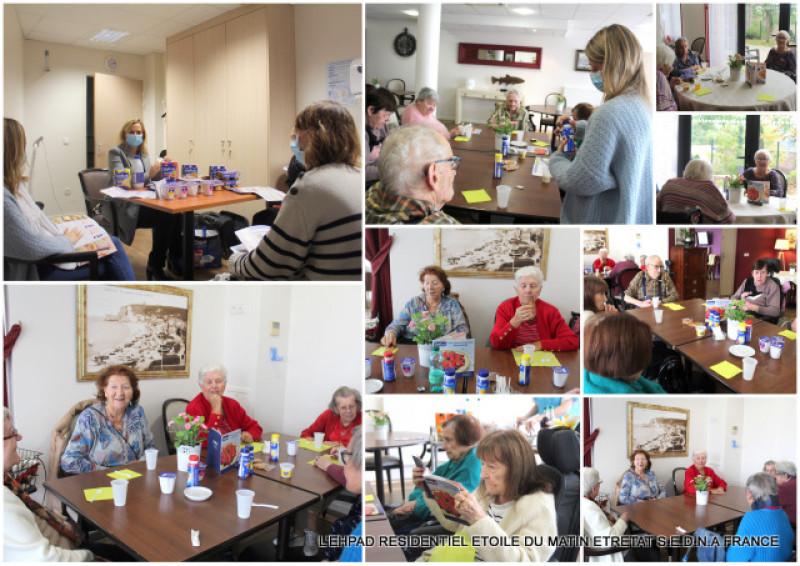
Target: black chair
(389, 463)
(92, 182)
(77, 257)
(559, 449)
(170, 409)
(784, 182)
(551, 99)
(677, 486)
(399, 84)
(698, 45)
(689, 216)
(530, 118)
(621, 282)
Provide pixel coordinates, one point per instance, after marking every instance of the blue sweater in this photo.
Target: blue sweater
(593, 383)
(466, 471)
(763, 522)
(610, 181)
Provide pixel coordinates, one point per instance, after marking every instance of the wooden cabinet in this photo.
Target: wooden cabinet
(689, 271)
(230, 100)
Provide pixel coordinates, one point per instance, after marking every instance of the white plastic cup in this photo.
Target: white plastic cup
(120, 490)
(529, 349)
(244, 502)
(546, 176)
(286, 470)
(367, 367)
(700, 330)
(503, 194)
(749, 367)
(468, 131)
(291, 447)
(656, 301)
(775, 351)
(151, 457)
(560, 375)
(659, 315)
(319, 438)
(520, 134)
(193, 187)
(167, 481)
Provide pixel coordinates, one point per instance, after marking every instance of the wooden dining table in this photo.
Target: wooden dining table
(157, 527)
(733, 498)
(395, 439)
(672, 330)
(496, 361)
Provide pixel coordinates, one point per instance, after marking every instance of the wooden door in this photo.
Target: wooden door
(181, 143)
(210, 98)
(116, 100)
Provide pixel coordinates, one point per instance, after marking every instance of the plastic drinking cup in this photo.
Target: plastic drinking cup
(560, 375)
(775, 350)
(520, 135)
(659, 315)
(656, 302)
(529, 349)
(700, 330)
(291, 447)
(151, 456)
(120, 490)
(503, 194)
(286, 470)
(167, 481)
(319, 438)
(367, 367)
(749, 368)
(468, 131)
(244, 502)
(546, 177)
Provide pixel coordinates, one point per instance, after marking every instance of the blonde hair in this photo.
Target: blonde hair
(617, 49)
(13, 155)
(142, 149)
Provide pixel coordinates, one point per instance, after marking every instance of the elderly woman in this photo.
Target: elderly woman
(665, 57)
(699, 468)
(685, 59)
(761, 294)
(769, 467)
(766, 519)
(610, 179)
(113, 431)
(435, 300)
(317, 233)
(696, 188)
(595, 298)
(762, 172)
(640, 483)
(786, 478)
(782, 58)
(511, 110)
(220, 412)
(595, 522)
(422, 112)
(460, 434)
(381, 104)
(617, 349)
(514, 498)
(526, 319)
(339, 419)
(603, 261)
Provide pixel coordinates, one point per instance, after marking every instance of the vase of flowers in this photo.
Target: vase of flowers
(429, 327)
(561, 102)
(502, 127)
(736, 311)
(381, 421)
(701, 486)
(735, 62)
(187, 430)
(736, 184)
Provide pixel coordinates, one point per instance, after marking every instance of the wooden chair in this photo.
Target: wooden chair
(677, 486)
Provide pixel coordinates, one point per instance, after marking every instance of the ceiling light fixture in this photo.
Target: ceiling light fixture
(523, 11)
(109, 36)
(412, 13)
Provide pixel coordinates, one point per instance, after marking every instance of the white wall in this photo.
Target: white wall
(711, 423)
(637, 240)
(413, 249)
(13, 94)
(693, 23)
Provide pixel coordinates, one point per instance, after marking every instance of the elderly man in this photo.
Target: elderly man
(221, 413)
(526, 319)
(786, 478)
(761, 295)
(512, 110)
(769, 467)
(595, 522)
(603, 261)
(766, 519)
(652, 282)
(696, 189)
(417, 171)
(684, 59)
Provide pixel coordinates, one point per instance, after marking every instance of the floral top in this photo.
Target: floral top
(96, 444)
(635, 489)
(520, 117)
(449, 307)
(691, 60)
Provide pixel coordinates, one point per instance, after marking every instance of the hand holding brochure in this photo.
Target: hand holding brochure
(444, 492)
(94, 238)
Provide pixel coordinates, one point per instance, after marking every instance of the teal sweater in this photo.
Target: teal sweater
(466, 471)
(759, 523)
(593, 383)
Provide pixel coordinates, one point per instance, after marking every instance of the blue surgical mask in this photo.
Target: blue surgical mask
(597, 80)
(294, 145)
(133, 140)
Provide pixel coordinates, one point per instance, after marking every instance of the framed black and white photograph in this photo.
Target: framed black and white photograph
(145, 327)
(662, 431)
(594, 241)
(582, 61)
(491, 253)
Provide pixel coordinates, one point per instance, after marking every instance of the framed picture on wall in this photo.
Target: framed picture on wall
(662, 431)
(594, 241)
(582, 61)
(490, 253)
(145, 327)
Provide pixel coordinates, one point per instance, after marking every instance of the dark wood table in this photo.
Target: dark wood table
(661, 517)
(671, 330)
(771, 376)
(380, 552)
(500, 361)
(485, 141)
(395, 440)
(733, 498)
(156, 527)
(186, 208)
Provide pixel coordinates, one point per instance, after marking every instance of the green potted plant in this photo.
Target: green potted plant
(736, 184)
(561, 101)
(502, 127)
(428, 327)
(736, 312)
(187, 431)
(702, 484)
(381, 421)
(735, 62)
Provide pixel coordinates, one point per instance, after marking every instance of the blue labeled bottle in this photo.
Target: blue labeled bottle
(450, 381)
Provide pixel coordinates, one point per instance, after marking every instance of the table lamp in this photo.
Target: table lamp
(782, 245)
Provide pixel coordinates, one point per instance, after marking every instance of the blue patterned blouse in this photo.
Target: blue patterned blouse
(96, 444)
(635, 489)
(449, 307)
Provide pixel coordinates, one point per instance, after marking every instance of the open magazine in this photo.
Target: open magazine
(444, 492)
(95, 238)
(250, 237)
(269, 194)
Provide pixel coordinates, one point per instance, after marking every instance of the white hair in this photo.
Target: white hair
(210, 368)
(511, 91)
(696, 453)
(761, 486)
(601, 250)
(357, 447)
(405, 153)
(427, 93)
(764, 152)
(590, 478)
(664, 56)
(529, 271)
(786, 467)
(783, 33)
(630, 257)
(698, 170)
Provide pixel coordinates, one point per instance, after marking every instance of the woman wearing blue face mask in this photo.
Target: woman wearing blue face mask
(131, 153)
(610, 179)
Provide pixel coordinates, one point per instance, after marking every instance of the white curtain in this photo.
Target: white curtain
(670, 21)
(722, 25)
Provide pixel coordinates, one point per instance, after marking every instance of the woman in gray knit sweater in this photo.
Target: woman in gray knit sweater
(610, 180)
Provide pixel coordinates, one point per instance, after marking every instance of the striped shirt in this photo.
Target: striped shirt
(528, 332)
(680, 195)
(387, 208)
(317, 234)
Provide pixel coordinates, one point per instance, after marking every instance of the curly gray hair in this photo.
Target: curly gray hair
(529, 271)
(343, 393)
(210, 368)
(761, 486)
(427, 93)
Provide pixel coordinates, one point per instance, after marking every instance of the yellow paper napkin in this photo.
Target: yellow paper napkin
(382, 349)
(98, 494)
(726, 369)
(479, 195)
(702, 91)
(257, 446)
(788, 334)
(540, 144)
(673, 306)
(766, 98)
(309, 445)
(461, 139)
(368, 498)
(540, 359)
(124, 475)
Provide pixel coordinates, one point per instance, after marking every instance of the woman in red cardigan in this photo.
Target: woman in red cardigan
(526, 319)
(339, 419)
(222, 413)
(699, 468)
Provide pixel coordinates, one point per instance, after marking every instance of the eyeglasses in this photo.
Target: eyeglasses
(14, 434)
(345, 455)
(455, 163)
(655, 266)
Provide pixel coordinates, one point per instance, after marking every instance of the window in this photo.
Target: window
(666, 164)
(720, 141)
(761, 25)
(670, 15)
(778, 135)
